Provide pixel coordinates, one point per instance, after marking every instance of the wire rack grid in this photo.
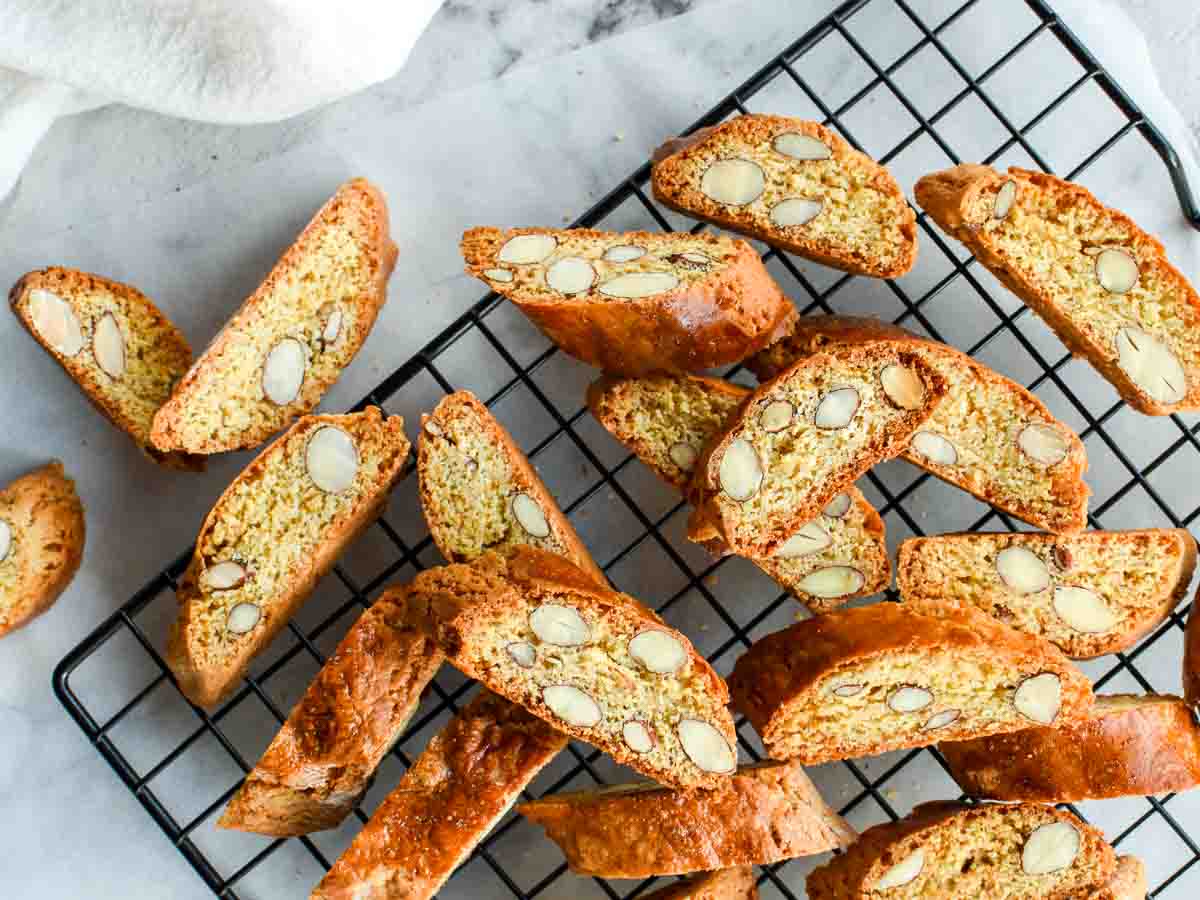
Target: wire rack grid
(183, 764)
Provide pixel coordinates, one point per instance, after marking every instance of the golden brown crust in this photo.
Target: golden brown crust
(725, 884)
(321, 761)
(1191, 654)
(43, 517)
(1128, 881)
(459, 787)
(763, 814)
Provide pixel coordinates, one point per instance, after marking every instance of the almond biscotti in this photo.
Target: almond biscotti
(479, 492)
(951, 851)
(1129, 745)
(637, 302)
(321, 761)
(1101, 283)
(455, 793)
(113, 342)
(290, 341)
(765, 813)
(1089, 594)
(1191, 654)
(41, 543)
(725, 884)
(797, 186)
(668, 419)
(804, 437)
(272, 536)
(859, 682)
(988, 435)
(593, 662)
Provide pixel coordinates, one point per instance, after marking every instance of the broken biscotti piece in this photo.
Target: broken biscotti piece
(321, 761)
(804, 437)
(1127, 883)
(797, 186)
(114, 343)
(595, 663)
(1089, 594)
(290, 341)
(859, 682)
(764, 814)
(637, 302)
(988, 435)
(41, 543)
(724, 884)
(950, 851)
(1129, 745)
(455, 793)
(479, 492)
(1101, 283)
(272, 536)
(667, 420)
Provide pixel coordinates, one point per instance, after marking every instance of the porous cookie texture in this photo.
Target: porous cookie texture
(290, 341)
(764, 814)
(667, 420)
(321, 761)
(455, 793)
(1101, 283)
(988, 435)
(1090, 593)
(637, 302)
(859, 682)
(1129, 745)
(41, 543)
(594, 663)
(277, 529)
(804, 437)
(1127, 883)
(949, 851)
(113, 342)
(725, 884)
(795, 185)
(1191, 654)
(480, 493)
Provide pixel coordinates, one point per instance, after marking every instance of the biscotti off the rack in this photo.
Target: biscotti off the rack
(113, 342)
(272, 536)
(795, 185)
(321, 761)
(668, 419)
(1089, 594)
(988, 435)
(455, 793)
(951, 851)
(859, 682)
(290, 341)
(637, 302)
(41, 543)
(1101, 283)
(724, 884)
(593, 662)
(764, 814)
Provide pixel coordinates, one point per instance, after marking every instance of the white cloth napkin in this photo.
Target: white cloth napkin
(228, 61)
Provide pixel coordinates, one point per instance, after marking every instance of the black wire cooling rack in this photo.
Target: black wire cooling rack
(183, 764)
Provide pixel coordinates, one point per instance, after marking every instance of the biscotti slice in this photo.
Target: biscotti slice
(725, 884)
(806, 436)
(951, 851)
(41, 543)
(668, 419)
(797, 186)
(636, 302)
(1191, 654)
(113, 342)
(274, 533)
(1089, 594)
(1127, 883)
(479, 492)
(859, 682)
(289, 342)
(988, 435)
(765, 813)
(593, 662)
(1129, 745)
(459, 788)
(1102, 284)
(321, 761)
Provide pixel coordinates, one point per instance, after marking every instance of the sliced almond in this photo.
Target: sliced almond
(832, 582)
(331, 459)
(504, 276)
(5, 540)
(837, 408)
(572, 705)
(571, 275)
(799, 146)
(638, 737)
(333, 326)
(795, 211)
(283, 371)
(776, 416)
(527, 249)
(810, 539)
(224, 576)
(908, 698)
(691, 259)
(1050, 848)
(242, 618)
(740, 473)
(559, 625)
(942, 719)
(1039, 697)
(56, 322)
(635, 285)
(1083, 610)
(522, 653)
(848, 690)
(530, 516)
(658, 651)
(903, 386)
(837, 507)
(623, 253)
(433, 427)
(934, 448)
(1022, 570)
(1043, 444)
(108, 346)
(902, 872)
(683, 455)
(733, 182)
(1063, 558)
(1004, 200)
(1116, 270)
(1151, 366)
(706, 746)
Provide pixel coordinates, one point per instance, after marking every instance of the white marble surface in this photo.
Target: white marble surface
(510, 111)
